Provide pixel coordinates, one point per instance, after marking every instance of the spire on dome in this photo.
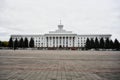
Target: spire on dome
(60, 21)
(60, 26)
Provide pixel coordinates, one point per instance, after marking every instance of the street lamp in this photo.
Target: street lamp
(13, 44)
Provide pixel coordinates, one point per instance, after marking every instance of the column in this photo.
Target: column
(68, 41)
(65, 41)
(73, 41)
(45, 41)
(58, 42)
(55, 40)
(48, 41)
(51, 41)
(62, 41)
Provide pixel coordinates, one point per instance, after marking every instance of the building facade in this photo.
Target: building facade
(60, 38)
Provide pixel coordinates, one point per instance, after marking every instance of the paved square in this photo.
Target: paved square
(59, 65)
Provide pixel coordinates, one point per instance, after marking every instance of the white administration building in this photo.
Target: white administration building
(60, 38)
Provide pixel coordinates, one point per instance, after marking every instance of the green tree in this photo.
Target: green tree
(96, 43)
(31, 44)
(102, 43)
(4, 44)
(15, 43)
(87, 46)
(10, 43)
(116, 44)
(92, 43)
(119, 45)
(0, 43)
(107, 44)
(26, 43)
(21, 43)
(111, 44)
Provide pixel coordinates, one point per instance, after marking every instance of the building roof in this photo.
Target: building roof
(60, 30)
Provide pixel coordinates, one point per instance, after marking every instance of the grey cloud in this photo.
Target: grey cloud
(80, 16)
(4, 33)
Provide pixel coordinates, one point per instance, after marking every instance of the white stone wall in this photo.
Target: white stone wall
(39, 41)
(57, 40)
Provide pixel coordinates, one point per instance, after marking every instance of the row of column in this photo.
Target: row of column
(60, 41)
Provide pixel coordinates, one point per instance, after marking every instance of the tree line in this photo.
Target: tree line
(90, 43)
(102, 44)
(22, 43)
(3, 43)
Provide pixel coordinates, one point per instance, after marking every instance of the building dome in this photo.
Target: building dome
(60, 26)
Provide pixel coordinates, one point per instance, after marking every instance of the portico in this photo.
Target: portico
(60, 38)
(57, 41)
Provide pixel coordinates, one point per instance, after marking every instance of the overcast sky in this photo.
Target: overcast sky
(41, 16)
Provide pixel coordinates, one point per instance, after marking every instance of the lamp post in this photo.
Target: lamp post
(13, 44)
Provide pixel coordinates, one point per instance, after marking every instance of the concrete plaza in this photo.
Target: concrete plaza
(59, 65)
